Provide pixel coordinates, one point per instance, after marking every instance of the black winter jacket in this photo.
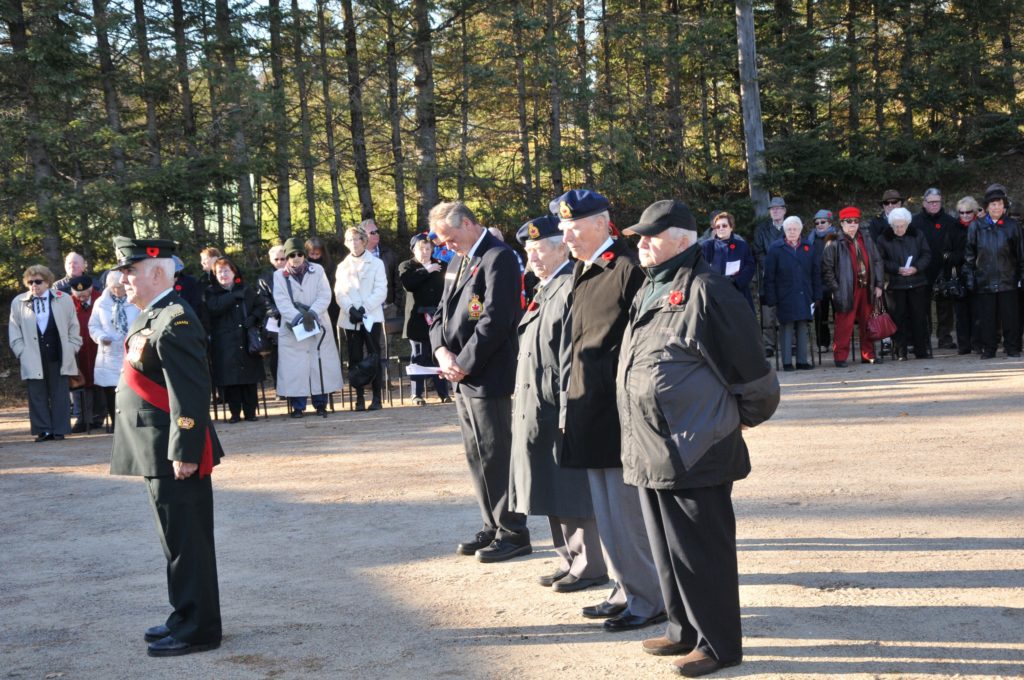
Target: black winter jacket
(934, 228)
(896, 249)
(837, 269)
(232, 313)
(993, 256)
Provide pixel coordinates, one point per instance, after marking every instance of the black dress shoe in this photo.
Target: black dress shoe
(446, 400)
(963, 350)
(604, 610)
(482, 540)
(550, 579)
(787, 367)
(804, 367)
(322, 412)
(169, 646)
(626, 621)
(840, 364)
(374, 405)
(502, 549)
(570, 584)
(234, 419)
(78, 428)
(44, 437)
(58, 437)
(295, 414)
(251, 419)
(156, 633)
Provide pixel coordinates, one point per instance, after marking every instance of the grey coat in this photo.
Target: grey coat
(537, 485)
(24, 335)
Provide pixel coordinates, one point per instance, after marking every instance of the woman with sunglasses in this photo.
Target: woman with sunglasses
(265, 289)
(953, 245)
(729, 255)
(45, 337)
(309, 367)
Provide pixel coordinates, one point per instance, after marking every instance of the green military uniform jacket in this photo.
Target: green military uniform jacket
(166, 345)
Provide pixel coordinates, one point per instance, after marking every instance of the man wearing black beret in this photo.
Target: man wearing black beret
(692, 375)
(163, 433)
(605, 281)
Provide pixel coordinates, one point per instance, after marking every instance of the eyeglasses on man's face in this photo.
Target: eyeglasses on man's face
(853, 220)
(36, 282)
(966, 212)
(893, 201)
(296, 255)
(821, 221)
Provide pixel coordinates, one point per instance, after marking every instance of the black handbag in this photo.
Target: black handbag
(256, 341)
(948, 287)
(365, 370)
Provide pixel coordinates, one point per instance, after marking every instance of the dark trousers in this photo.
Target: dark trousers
(998, 309)
(109, 395)
(693, 540)
(184, 515)
(241, 398)
(486, 424)
(49, 401)
(909, 310)
(419, 354)
(943, 322)
(359, 339)
(821, 329)
(966, 324)
(92, 406)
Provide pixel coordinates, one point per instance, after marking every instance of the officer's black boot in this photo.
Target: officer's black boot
(360, 401)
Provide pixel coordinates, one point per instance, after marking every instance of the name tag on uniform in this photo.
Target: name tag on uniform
(449, 276)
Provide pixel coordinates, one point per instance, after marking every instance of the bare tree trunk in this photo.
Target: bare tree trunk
(649, 113)
(876, 69)
(853, 76)
(214, 81)
(228, 44)
(811, 108)
(555, 94)
(355, 107)
(609, 101)
(152, 129)
(750, 99)
(463, 108)
(583, 91)
(673, 95)
(716, 121)
(906, 72)
(395, 116)
(197, 207)
(300, 79)
(281, 133)
(100, 20)
(1009, 70)
(39, 155)
(332, 151)
(529, 196)
(426, 113)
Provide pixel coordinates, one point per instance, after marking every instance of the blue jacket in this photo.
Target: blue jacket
(735, 249)
(789, 281)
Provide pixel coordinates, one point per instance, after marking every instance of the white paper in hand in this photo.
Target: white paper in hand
(272, 325)
(417, 370)
(301, 333)
(732, 267)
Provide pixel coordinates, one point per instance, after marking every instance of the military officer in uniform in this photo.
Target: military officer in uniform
(538, 485)
(474, 341)
(163, 434)
(605, 281)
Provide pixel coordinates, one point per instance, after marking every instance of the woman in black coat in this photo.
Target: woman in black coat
(423, 280)
(233, 309)
(953, 245)
(728, 254)
(906, 258)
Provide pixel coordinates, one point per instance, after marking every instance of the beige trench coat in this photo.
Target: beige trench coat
(311, 366)
(24, 335)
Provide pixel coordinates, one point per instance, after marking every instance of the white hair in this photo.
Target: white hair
(899, 214)
(274, 250)
(791, 220)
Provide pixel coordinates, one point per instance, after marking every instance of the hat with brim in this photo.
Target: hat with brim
(294, 245)
(777, 202)
(577, 204)
(994, 192)
(132, 250)
(892, 195)
(81, 283)
(422, 236)
(662, 215)
(538, 229)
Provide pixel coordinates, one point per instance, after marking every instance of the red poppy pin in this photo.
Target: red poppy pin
(806, 247)
(938, 225)
(732, 246)
(57, 293)
(533, 306)
(675, 297)
(177, 287)
(238, 279)
(152, 252)
(607, 256)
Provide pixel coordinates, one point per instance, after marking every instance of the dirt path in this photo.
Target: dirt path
(899, 558)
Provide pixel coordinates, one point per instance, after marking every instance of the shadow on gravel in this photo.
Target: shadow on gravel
(958, 543)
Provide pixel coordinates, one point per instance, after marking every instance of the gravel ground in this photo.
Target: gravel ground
(880, 536)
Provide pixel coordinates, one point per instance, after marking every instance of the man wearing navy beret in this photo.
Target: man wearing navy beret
(605, 281)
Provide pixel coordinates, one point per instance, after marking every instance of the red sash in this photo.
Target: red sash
(157, 395)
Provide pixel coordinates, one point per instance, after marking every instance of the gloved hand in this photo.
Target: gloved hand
(355, 316)
(308, 320)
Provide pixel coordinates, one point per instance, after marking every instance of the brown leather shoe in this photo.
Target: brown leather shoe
(662, 646)
(697, 663)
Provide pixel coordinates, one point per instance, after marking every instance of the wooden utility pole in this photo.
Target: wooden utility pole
(750, 100)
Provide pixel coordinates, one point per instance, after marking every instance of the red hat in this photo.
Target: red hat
(849, 212)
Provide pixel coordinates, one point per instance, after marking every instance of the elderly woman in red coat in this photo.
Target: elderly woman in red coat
(89, 402)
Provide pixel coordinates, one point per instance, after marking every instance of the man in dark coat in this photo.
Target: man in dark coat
(935, 223)
(605, 280)
(691, 375)
(766, 233)
(891, 199)
(164, 434)
(474, 341)
(394, 304)
(538, 485)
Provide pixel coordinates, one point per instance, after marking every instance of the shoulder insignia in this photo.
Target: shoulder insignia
(181, 322)
(177, 310)
(186, 423)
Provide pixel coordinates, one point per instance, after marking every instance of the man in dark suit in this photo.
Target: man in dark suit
(605, 281)
(474, 341)
(164, 434)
